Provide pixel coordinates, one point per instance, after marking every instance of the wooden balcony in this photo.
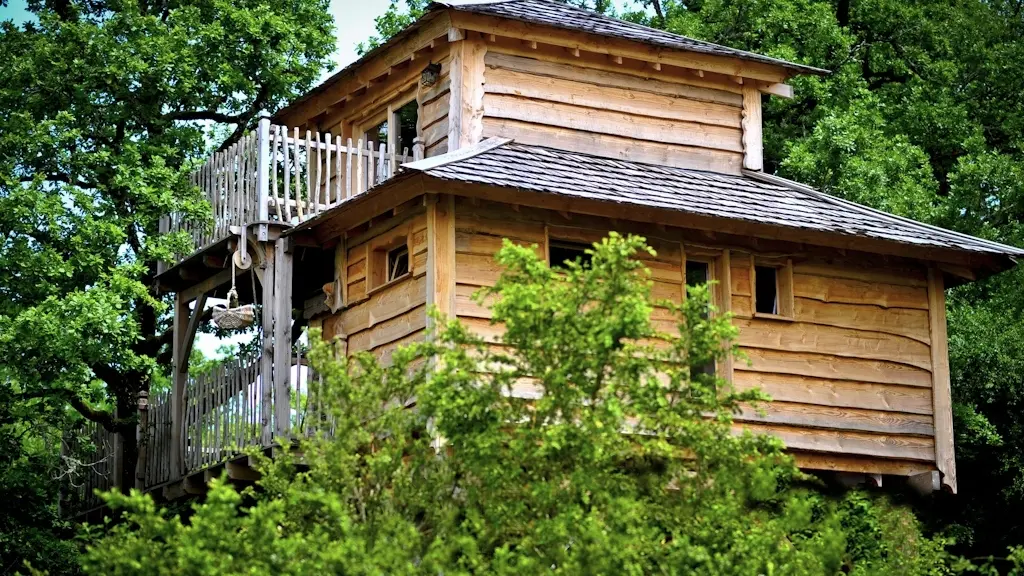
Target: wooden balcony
(227, 410)
(278, 176)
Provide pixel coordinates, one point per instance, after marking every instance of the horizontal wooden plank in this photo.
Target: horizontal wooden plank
(384, 305)
(486, 244)
(909, 322)
(803, 337)
(437, 148)
(627, 100)
(833, 418)
(390, 330)
(599, 121)
(435, 110)
(859, 292)
(679, 89)
(861, 464)
(614, 146)
(434, 133)
(384, 352)
(855, 269)
(822, 365)
(835, 393)
(357, 290)
(357, 270)
(847, 442)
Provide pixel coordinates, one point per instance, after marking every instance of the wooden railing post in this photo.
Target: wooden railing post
(263, 175)
(180, 377)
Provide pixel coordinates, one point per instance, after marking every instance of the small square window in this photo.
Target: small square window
(560, 252)
(398, 262)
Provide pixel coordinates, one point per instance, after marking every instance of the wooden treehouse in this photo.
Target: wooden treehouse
(388, 189)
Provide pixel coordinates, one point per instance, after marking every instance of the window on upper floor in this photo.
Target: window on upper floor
(772, 288)
(395, 128)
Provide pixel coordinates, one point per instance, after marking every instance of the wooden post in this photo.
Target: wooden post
(441, 253)
(724, 290)
(942, 405)
(181, 318)
(142, 437)
(282, 335)
(262, 175)
(753, 148)
(466, 105)
(266, 389)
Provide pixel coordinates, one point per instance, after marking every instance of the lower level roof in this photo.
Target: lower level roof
(751, 197)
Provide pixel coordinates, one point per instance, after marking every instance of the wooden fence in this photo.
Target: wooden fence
(276, 174)
(87, 456)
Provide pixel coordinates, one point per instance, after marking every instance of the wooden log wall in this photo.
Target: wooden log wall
(672, 121)
(434, 102)
(850, 373)
(380, 319)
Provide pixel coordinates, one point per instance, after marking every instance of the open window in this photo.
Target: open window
(395, 128)
(561, 251)
(772, 288)
(389, 258)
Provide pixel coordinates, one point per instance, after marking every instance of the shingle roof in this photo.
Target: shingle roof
(757, 199)
(559, 15)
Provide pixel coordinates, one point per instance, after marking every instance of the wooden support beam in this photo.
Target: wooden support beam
(282, 337)
(179, 380)
(206, 286)
(241, 471)
(466, 104)
(266, 391)
(441, 254)
(925, 483)
(753, 147)
(189, 338)
(776, 89)
(942, 404)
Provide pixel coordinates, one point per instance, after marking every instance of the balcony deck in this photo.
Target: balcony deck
(277, 176)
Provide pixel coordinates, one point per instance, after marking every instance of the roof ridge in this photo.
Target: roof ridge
(805, 189)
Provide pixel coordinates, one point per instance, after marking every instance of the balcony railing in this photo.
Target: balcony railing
(277, 174)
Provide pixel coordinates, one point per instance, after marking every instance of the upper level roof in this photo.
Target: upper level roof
(560, 15)
(754, 197)
(555, 15)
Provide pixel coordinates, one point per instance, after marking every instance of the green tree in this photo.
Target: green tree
(619, 458)
(106, 104)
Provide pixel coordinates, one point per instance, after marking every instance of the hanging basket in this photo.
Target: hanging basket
(234, 317)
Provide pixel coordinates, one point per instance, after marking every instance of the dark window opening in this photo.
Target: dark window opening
(378, 135)
(398, 262)
(767, 290)
(561, 252)
(406, 117)
(697, 274)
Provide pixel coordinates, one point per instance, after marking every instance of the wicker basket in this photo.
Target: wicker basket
(234, 317)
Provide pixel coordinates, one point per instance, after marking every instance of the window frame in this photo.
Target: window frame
(783, 287)
(388, 113)
(377, 258)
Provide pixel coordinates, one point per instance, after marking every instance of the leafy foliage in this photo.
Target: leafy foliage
(106, 105)
(586, 442)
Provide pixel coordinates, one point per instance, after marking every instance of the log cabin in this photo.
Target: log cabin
(387, 190)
